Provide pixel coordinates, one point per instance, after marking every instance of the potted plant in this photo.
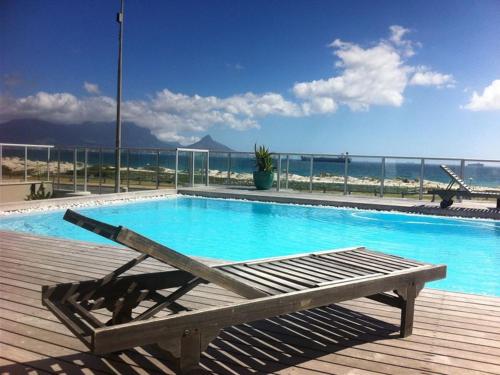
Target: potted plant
(264, 175)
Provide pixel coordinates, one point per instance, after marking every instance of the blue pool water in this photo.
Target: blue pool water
(239, 230)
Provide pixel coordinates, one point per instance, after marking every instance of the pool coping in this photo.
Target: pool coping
(404, 205)
(85, 200)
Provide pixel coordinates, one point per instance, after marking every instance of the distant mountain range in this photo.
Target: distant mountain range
(91, 135)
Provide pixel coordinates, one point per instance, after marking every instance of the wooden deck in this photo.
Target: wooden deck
(453, 334)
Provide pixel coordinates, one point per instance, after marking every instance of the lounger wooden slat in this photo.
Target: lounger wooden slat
(330, 263)
(269, 276)
(372, 262)
(262, 279)
(391, 258)
(150, 308)
(338, 268)
(357, 264)
(282, 274)
(299, 263)
(382, 262)
(254, 282)
(309, 275)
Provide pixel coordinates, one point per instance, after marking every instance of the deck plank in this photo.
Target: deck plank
(454, 333)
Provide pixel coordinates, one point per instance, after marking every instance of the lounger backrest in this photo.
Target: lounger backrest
(456, 178)
(162, 253)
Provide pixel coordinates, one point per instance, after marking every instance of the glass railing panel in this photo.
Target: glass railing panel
(364, 175)
(482, 175)
(141, 167)
(13, 164)
(242, 168)
(295, 173)
(220, 165)
(166, 178)
(435, 178)
(184, 168)
(402, 177)
(328, 173)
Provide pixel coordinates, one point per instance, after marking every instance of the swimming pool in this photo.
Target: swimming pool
(241, 230)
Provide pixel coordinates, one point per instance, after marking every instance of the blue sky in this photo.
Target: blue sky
(402, 78)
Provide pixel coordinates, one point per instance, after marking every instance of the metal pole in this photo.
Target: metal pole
(208, 168)
(176, 167)
(382, 178)
(75, 156)
(26, 163)
(85, 170)
(100, 170)
(128, 169)
(346, 171)
(278, 182)
(229, 168)
(421, 186)
(48, 164)
(311, 174)
(118, 141)
(157, 169)
(287, 169)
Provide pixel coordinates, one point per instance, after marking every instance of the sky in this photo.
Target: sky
(378, 77)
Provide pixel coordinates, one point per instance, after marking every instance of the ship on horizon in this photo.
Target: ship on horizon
(327, 159)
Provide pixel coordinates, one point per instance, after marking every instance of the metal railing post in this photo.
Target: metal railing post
(100, 170)
(421, 185)
(278, 182)
(462, 168)
(228, 169)
(346, 171)
(86, 159)
(25, 163)
(128, 169)
(157, 169)
(287, 170)
(176, 178)
(58, 169)
(208, 169)
(75, 156)
(191, 176)
(382, 178)
(311, 166)
(48, 164)
(1, 167)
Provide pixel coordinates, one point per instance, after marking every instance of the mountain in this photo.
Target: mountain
(93, 134)
(208, 143)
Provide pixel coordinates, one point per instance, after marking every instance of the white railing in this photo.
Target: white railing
(83, 168)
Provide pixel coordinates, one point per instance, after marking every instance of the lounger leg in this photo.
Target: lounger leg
(186, 352)
(407, 309)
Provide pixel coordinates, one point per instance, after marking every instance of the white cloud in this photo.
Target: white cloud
(91, 88)
(376, 75)
(489, 100)
(426, 77)
(167, 114)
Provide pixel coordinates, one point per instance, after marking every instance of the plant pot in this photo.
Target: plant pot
(263, 180)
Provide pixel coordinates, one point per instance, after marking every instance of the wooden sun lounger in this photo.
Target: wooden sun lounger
(464, 190)
(272, 287)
